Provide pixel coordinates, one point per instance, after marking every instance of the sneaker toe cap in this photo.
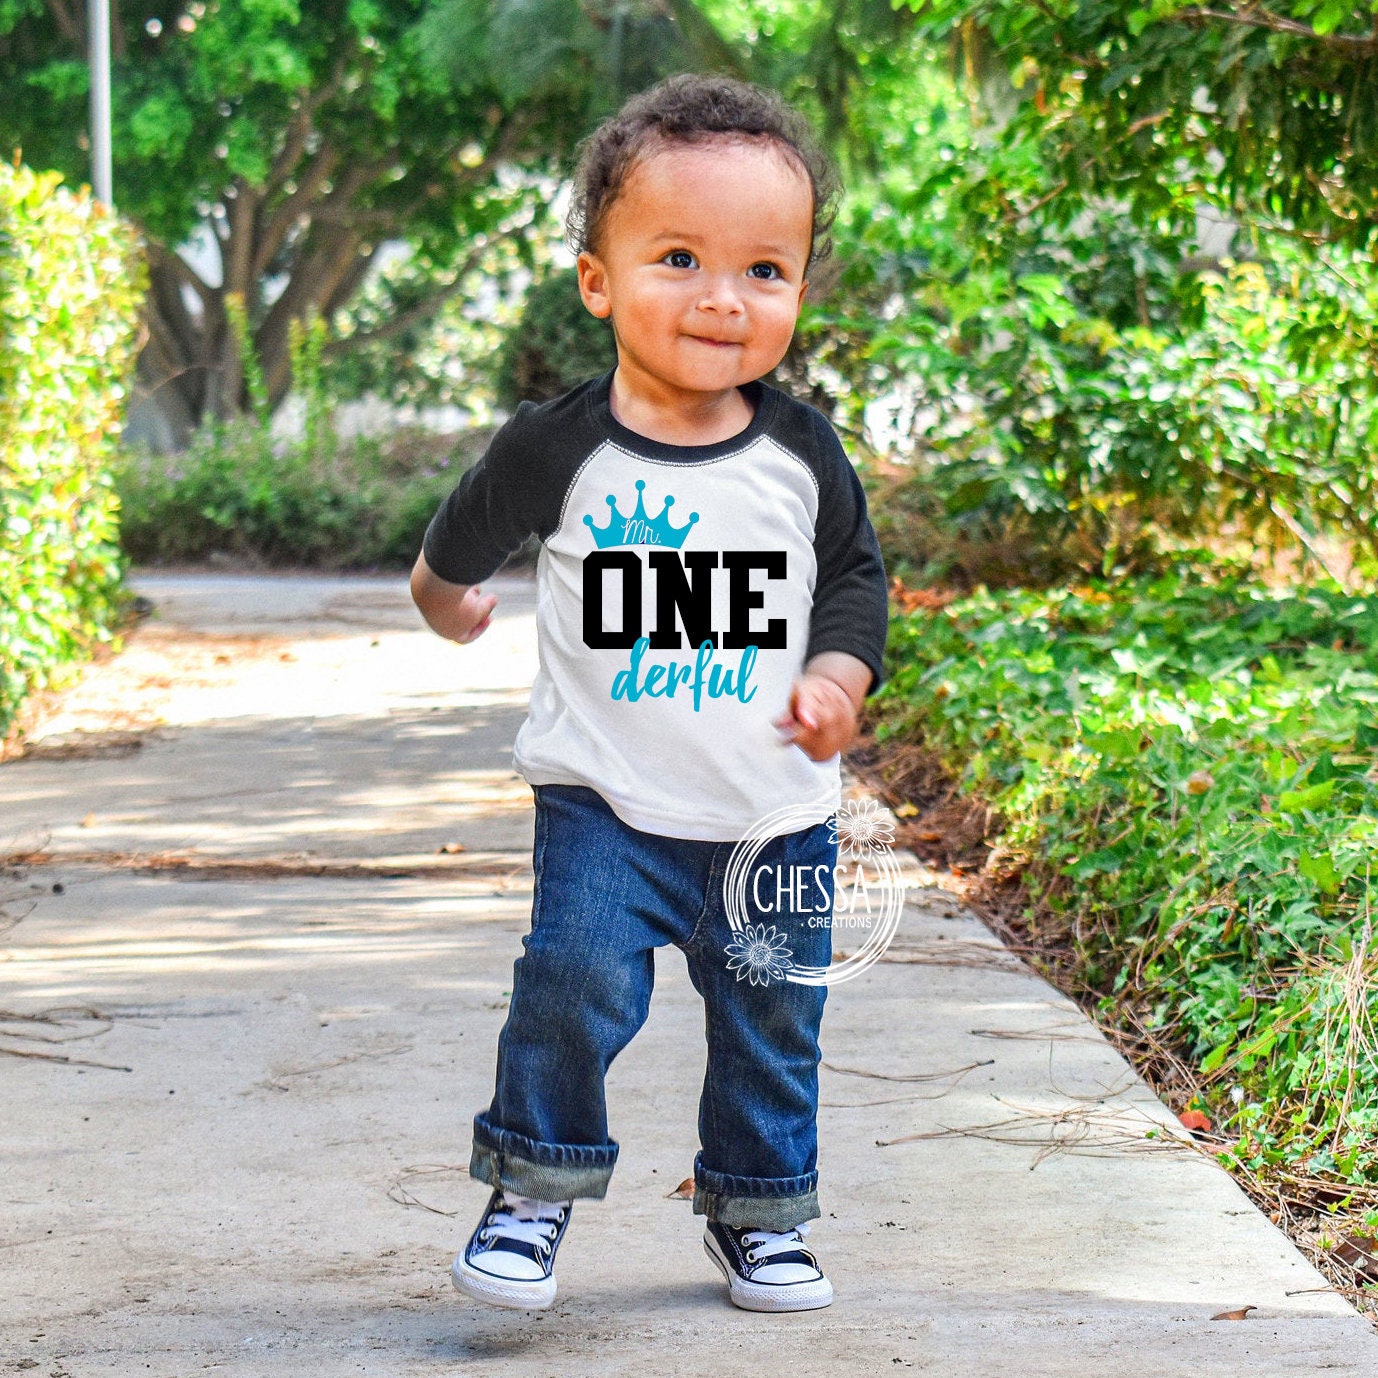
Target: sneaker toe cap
(781, 1274)
(503, 1263)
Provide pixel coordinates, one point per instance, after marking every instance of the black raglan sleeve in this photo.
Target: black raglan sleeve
(496, 506)
(851, 610)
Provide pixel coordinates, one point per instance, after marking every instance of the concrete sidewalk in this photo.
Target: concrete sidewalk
(280, 998)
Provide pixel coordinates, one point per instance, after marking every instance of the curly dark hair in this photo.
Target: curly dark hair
(689, 109)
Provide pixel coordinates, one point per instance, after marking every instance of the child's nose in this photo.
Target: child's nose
(720, 295)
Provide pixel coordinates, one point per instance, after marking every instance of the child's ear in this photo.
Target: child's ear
(593, 285)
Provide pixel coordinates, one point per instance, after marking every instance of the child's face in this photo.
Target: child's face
(700, 264)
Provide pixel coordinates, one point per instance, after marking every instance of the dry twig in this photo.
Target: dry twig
(1090, 1130)
(400, 1193)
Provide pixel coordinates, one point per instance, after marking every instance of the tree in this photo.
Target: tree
(584, 59)
(1269, 111)
(1061, 386)
(306, 133)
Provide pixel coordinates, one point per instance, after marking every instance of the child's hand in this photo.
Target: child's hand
(821, 720)
(823, 704)
(458, 612)
(472, 615)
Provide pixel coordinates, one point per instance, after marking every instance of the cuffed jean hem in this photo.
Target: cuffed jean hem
(762, 1203)
(548, 1172)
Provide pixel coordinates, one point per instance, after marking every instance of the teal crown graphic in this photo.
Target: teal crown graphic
(638, 529)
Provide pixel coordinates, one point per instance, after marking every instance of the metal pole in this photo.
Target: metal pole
(98, 13)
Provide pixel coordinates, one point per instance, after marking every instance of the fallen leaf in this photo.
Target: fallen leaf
(1236, 1315)
(1195, 1120)
(910, 600)
(906, 810)
(683, 1192)
(930, 837)
(1361, 1253)
(1199, 781)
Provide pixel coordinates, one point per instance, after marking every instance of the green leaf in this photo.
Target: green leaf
(1321, 869)
(1215, 1057)
(1331, 15)
(1297, 801)
(1117, 746)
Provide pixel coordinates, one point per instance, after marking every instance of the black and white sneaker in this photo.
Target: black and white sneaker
(766, 1270)
(509, 1260)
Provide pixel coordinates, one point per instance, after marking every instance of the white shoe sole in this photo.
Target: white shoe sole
(765, 1296)
(510, 1292)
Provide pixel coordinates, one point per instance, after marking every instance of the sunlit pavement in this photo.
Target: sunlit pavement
(277, 875)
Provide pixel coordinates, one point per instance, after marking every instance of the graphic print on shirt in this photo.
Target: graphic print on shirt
(784, 488)
(639, 567)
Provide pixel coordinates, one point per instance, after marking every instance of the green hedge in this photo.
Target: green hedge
(70, 286)
(1191, 773)
(358, 504)
(554, 346)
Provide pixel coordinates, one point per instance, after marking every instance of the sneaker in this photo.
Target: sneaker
(767, 1271)
(509, 1261)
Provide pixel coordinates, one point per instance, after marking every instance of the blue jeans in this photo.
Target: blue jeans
(605, 896)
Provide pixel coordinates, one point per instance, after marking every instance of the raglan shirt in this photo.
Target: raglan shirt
(680, 590)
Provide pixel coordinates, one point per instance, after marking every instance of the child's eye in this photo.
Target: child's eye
(679, 258)
(764, 271)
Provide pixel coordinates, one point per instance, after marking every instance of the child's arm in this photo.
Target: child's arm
(843, 662)
(824, 703)
(497, 504)
(458, 612)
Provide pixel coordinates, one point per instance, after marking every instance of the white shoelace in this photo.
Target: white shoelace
(526, 1219)
(761, 1244)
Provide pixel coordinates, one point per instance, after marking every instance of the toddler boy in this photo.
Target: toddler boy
(711, 612)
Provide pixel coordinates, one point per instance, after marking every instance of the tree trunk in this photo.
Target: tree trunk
(312, 222)
(180, 372)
